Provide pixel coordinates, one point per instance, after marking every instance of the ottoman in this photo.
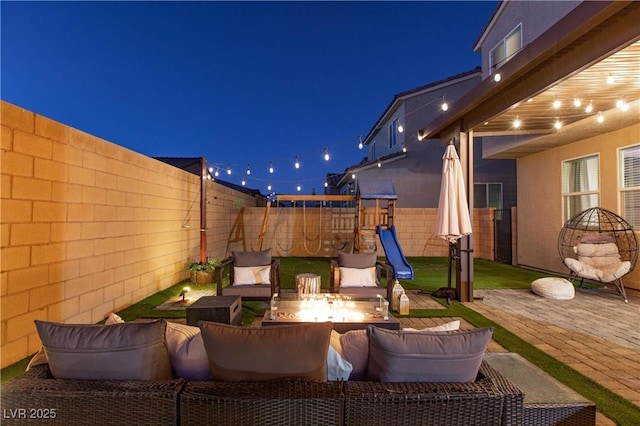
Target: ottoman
(553, 288)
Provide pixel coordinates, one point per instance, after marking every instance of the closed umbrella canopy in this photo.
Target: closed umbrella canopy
(452, 220)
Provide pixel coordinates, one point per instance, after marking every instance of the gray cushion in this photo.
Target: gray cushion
(252, 258)
(262, 353)
(405, 356)
(131, 351)
(356, 260)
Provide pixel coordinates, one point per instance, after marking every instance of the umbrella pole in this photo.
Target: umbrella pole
(450, 262)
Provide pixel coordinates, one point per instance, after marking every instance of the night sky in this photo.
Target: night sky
(241, 83)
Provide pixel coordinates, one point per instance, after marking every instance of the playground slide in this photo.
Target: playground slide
(401, 268)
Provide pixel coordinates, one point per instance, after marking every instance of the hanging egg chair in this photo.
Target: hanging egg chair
(598, 245)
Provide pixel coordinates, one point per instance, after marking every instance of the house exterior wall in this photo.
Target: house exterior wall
(89, 227)
(540, 212)
(536, 18)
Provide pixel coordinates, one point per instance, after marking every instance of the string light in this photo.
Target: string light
(444, 106)
(217, 173)
(270, 166)
(400, 127)
(517, 123)
(497, 77)
(360, 145)
(404, 148)
(298, 187)
(326, 154)
(269, 187)
(622, 105)
(326, 184)
(557, 124)
(211, 170)
(611, 79)
(556, 104)
(577, 102)
(420, 135)
(589, 108)
(353, 175)
(599, 118)
(228, 169)
(297, 163)
(248, 169)
(243, 182)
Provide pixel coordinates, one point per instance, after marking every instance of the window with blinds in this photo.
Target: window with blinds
(630, 185)
(508, 46)
(580, 185)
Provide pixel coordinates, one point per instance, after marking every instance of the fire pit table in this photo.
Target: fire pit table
(346, 312)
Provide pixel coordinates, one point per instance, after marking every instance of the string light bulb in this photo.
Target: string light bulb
(326, 184)
(379, 164)
(517, 123)
(270, 166)
(297, 163)
(211, 170)
(269, 187)
(353, 175)
(589, 108)
(600, 118)
(243, 182)
(360, 145)
(557, 124)
(556, 104)
(404, 148)
(298, 188)
(622, 105)
(497, 77)
(611, 79)
(217, 173)
(228, 169)
(400, 127)
(326, 154)
(577, 102)
(248, 169)
(420, 135)
(444, 106)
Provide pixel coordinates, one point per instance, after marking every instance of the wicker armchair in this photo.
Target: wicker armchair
(344, 260)
(237, 284)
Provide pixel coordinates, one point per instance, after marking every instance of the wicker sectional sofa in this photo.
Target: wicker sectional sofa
(29, 399)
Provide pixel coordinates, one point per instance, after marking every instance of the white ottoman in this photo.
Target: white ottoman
(553, 288)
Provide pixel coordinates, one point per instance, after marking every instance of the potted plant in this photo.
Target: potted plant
(202, 272)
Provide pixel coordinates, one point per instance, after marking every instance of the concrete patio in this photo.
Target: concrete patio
(595, 333)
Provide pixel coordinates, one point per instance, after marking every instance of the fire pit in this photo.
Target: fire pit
(346, 312)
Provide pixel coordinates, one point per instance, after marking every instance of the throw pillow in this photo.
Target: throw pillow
(262, 353)
(131, 351)
(252, 258)
(186, 351)
(338, 368)
(356, 260)
(355, 277)
(355, 347)
(248, 275)
(399, 356)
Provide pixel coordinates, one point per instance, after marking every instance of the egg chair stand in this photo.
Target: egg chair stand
(598, 245)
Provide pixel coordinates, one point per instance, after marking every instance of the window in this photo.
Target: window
(630, 185)
(393, 134)
(487, 195)
(580, 185)
(508, 47)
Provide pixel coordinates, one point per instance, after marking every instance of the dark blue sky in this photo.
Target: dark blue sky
(237, 82)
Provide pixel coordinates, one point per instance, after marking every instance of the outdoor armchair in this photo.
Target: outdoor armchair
(360, 274)
(252, 275)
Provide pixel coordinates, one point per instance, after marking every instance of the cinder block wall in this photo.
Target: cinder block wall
(89, 227)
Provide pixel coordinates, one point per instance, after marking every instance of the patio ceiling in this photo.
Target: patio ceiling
(572, 60)
(610, 87)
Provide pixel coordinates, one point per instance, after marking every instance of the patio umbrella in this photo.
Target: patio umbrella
(452, 220)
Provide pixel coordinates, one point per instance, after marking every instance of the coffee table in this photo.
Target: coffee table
(346, 312)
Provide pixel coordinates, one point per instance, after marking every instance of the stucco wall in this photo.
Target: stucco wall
(540, 214)
(89, 227)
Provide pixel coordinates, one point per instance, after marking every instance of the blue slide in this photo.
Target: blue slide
(401, 268)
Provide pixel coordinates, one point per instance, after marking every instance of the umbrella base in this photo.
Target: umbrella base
(445, 293)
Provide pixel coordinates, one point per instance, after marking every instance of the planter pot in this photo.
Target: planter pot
(201, 277)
